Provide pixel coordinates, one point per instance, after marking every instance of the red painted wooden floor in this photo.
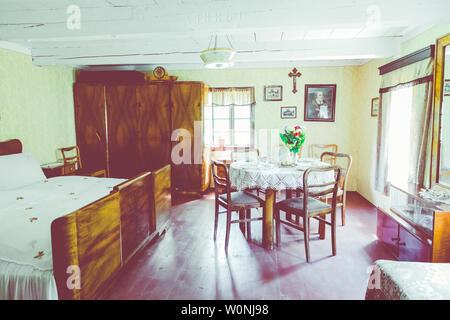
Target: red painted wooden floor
(185, 263)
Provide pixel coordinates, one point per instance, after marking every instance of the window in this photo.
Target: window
(405, 116)
(399, 136)
(229, 125)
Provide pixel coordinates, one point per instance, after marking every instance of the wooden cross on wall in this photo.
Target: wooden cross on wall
(294, 74)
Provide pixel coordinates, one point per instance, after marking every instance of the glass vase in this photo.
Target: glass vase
(294, 156)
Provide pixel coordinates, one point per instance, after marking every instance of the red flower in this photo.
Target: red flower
(39, 255)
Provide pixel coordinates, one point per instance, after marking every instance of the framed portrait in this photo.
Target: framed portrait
(273, 93)
(288, 112)
(375, 106)
(447, 87)
(320, 102)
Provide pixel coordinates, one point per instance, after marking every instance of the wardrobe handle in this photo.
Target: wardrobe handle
(98, 136)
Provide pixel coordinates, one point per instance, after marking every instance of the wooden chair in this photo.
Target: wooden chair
(308, 207)
(69, 158)
(345, 164)
(316, 151)
(240, 201)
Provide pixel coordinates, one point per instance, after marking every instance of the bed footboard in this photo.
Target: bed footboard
(96, 241)
(162, 199)
(86, 249)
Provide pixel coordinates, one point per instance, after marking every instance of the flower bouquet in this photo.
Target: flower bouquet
(293, 139)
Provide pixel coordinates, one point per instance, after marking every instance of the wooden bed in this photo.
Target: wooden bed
(103, 236)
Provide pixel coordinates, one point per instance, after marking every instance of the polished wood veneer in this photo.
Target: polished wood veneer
(126, 128)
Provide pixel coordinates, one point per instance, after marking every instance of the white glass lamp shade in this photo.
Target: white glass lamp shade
(217, 58)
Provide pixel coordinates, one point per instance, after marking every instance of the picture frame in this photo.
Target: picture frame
(273, 93)
(288, 112)
(320, 102)
(446, 87)
(375, 107)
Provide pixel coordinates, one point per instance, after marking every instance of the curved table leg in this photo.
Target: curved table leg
(267, 236)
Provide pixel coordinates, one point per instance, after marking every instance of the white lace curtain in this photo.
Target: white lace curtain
(418, 76)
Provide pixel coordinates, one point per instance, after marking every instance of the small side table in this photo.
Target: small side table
(57, 169)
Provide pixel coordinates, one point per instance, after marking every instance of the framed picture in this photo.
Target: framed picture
(273, 93)
(320, 102)
(375, 105)
(447, 87)
(288, 112)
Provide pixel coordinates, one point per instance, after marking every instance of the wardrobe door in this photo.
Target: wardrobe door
(187, 103)
(89, 102)
(124, 158)
(154, 124)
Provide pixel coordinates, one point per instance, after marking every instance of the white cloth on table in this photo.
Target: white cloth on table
(248, 175)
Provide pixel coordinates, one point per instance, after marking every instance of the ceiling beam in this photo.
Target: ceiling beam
(356, 49)
(237, 65)
(211, 16)
(381, 47)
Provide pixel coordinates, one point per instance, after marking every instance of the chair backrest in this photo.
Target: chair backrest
(69, 157)
(316, 151)
(220, 182)
(344, 161)
(321, 189)
(247, 154)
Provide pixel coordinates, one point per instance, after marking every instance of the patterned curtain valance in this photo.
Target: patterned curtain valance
(415, 73)
(233, 96)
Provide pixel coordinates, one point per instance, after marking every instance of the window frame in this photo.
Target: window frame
(231, 128)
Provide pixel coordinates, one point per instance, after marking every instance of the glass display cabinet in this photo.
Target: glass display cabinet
(415, 229)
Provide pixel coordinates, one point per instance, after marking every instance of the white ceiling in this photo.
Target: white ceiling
(138, 34)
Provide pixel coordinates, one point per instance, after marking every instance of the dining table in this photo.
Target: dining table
(274, 177)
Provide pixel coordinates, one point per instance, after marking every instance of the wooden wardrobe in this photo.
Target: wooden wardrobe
(126, 128)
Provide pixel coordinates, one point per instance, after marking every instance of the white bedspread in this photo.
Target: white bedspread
(26, 215)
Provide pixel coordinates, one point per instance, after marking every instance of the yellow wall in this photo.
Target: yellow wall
(36, 105)
(267, 114)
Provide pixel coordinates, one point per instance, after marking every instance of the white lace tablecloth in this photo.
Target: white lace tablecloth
(247, 175)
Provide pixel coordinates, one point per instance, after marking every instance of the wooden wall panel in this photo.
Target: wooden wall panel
(89, 102)
(65, 254)
(162, 198)
(441, 239)
(140, 119)
(125, 160)
(99, 250)
(187, 103)
(154, 124)
(136, 206)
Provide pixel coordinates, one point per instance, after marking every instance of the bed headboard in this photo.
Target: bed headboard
(10, 147)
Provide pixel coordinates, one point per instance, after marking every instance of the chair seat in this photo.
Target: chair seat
(295, 205)
(241, 198)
